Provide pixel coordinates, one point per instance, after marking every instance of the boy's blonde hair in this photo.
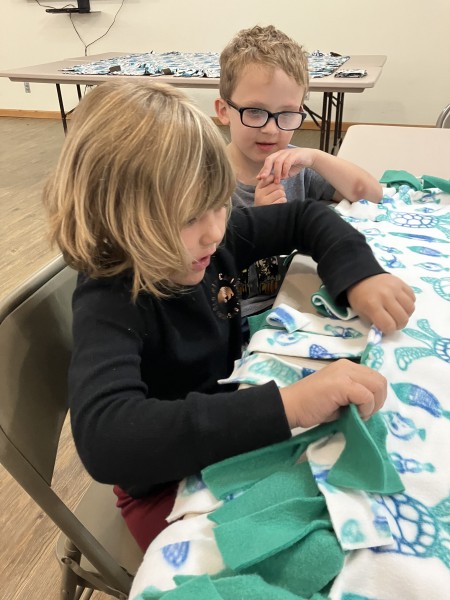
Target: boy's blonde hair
(266, 46)
(139, 162)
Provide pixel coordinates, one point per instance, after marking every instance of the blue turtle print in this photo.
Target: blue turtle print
(416, 221)
(373, 357)
(438, 346)
(420, 531)
(414, 395)
(176, 554)
(440, 286)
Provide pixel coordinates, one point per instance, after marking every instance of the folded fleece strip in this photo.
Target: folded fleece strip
(227, 588)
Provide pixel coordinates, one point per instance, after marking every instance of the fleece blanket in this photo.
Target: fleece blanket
(349, 510)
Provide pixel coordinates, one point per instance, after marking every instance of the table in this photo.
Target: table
(415, 565)
(332, 88)
(418, 150)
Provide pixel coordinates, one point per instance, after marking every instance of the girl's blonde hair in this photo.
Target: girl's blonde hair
(139, 162)
(264, 46)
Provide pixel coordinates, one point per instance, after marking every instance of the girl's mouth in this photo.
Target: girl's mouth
(201, 264)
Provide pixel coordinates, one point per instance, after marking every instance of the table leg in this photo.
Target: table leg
(61, 108)
(337, 139)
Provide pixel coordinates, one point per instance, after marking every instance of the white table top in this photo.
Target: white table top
(418, 150)
(51, 73)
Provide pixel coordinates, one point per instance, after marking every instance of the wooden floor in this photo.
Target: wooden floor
(28, 151)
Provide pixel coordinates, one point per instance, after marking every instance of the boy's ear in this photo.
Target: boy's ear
(222, 111)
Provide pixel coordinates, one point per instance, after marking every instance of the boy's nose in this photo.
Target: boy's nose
(270, 126)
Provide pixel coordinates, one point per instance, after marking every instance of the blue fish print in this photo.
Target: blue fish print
(427, 251)
(344, 332)
(176, 554)
(388, 249)
(392, 263)
(431, 266)
(419, 236)
(414, 395)
(409, 465)
(286, 339)
(402, 427)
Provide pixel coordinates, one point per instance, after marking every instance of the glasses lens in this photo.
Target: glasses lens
(290, 120)
(254, 117)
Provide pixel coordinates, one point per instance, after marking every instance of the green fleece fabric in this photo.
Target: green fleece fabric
(257, 322)
(194, 589)
(392, 178)
(321, 299)
(292, 482)
(305, 568)
(364, 463)
(436, 182)
(270, 530)
(241, 472)
(238, 587)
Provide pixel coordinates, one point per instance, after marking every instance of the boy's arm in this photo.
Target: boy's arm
(349, 180)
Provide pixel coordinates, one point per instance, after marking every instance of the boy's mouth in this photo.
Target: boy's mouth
(265, 146)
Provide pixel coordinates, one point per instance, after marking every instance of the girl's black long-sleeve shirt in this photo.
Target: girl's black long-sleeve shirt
(145, 405)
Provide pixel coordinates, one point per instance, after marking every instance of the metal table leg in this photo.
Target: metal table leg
(337, 139)
(62, 110)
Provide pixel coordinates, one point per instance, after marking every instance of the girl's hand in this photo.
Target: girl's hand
(318, 397)
(384, 300)
(268, 192)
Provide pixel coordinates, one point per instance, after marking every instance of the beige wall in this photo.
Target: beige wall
(413, 88)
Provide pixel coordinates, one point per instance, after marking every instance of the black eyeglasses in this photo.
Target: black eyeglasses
(286, 120)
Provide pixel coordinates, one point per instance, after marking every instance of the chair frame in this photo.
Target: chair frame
(444, 118)
(43, 304)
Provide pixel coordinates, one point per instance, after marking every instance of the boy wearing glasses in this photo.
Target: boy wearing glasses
(263, 83)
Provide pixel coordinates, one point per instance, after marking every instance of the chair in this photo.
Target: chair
(95, 549)
(444, 118)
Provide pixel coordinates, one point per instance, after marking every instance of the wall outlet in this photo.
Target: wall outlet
(27, 87)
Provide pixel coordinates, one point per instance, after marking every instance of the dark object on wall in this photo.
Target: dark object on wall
(83, 6)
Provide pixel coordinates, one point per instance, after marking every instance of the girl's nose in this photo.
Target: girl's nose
(214, 227)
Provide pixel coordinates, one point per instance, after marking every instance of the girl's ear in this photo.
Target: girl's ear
(222, 111)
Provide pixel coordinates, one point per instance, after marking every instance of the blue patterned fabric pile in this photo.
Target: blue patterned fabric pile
(186, 64)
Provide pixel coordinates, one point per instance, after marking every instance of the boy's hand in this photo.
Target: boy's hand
(318, 397)
(268, 192)
(286, 163)
(384, 300)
